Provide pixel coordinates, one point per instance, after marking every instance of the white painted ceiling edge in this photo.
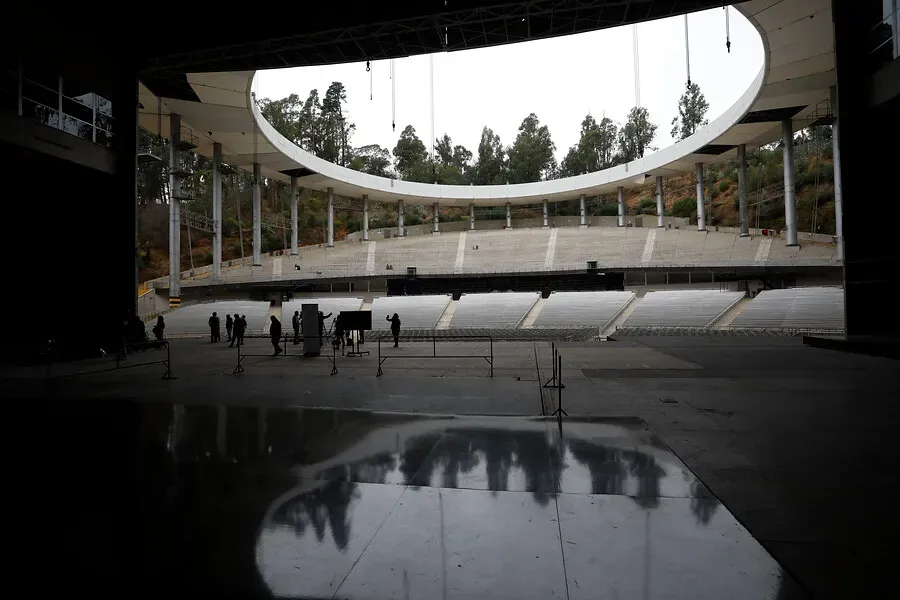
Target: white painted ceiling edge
(797, 70)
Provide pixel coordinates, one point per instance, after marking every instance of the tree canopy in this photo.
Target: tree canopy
(692, 107)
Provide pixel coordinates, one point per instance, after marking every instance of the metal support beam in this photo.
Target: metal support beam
(790, 206)
(365, 219)
(659, 202)
(508, 216)
(621, 192)
(400, 218)
(546, 213)
(330, 241)
(436, 218)
(294, 234)
(742, 190)
(471, 216)
(257, 216)
(174, 209)
(217, 211)
(701, 203)
(838, 188)
(582, 212)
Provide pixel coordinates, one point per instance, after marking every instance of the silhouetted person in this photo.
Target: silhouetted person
(229, 325)
(239, 326)
(160, 328)
(295, 323)
(215, 333)
(234, 324)
(243, 328)
(339, 333)
(395, 328)
(275, 334)
(322, 318)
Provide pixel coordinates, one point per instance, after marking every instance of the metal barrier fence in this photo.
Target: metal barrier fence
(286, 340)
(121, 360)
(434, 354)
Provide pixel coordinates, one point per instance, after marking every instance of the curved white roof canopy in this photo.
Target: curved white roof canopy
(794, 81)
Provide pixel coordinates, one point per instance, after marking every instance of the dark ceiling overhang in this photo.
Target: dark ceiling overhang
(383, 30)
(302, 172)
(714, 149)
(773, 115)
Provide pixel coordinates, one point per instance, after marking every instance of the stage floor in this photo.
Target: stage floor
(313, 503)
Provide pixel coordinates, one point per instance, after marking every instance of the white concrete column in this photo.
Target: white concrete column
(217, 210)
(471, 216)
(257, 216)
(365, 223)
(621, 192)
(508, 216)
(743, 210)
(582, 211)
(790, 202)
(330, 242)
(174, 208)
(435, 218)
(659, 202)
(838, 188)
(400, 231)
(701, 204)
(546, 213)
(294, 236)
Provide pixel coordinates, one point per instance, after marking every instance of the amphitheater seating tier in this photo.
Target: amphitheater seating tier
(417, 312)
(681, 308)
(581, 309)
(794, 308)
(493, 310)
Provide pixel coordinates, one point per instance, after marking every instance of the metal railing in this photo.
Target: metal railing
(489, 358)
(121, 359)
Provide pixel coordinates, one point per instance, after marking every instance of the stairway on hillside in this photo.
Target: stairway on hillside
(532, 315)
(731, 314)
(446, 316)
(621, 318)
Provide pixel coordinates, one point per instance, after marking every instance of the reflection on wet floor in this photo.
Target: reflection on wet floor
(321, 503)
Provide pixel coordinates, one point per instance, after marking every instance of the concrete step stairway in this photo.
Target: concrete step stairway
(731, 314)
(446, 316)
(623, 316)
(532, 315)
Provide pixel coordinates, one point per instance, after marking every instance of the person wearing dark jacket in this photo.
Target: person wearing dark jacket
(295, 323)
(238, 337)
(160, 328)
(275, 334)
(322, 317)
(395, 328)
(215, 332)
(229, 325)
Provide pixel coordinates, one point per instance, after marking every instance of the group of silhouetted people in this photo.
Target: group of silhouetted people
(237, 325)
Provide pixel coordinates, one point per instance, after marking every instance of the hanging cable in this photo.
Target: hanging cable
(687, 51)
(637, 66)
(431, 78)
(393, 98)
(369, 69)
(727, 31)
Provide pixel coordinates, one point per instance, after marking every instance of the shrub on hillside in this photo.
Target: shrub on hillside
(607, 210)
(723, 186)
(646, 207)
(685, 207)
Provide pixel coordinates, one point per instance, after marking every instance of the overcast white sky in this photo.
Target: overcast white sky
(560, 79)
